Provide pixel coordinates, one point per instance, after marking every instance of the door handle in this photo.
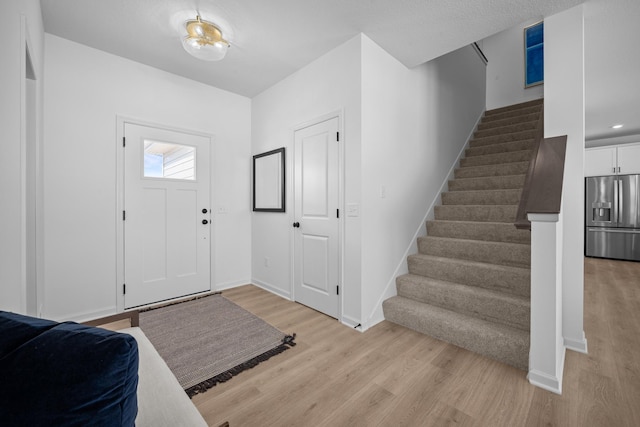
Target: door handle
(204, 211)
(205, 222)
(296, 225)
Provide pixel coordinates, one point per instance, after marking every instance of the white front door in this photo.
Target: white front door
(316, 247)
(166, 215)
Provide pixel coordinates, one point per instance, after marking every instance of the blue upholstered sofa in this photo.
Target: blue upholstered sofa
(68, 374)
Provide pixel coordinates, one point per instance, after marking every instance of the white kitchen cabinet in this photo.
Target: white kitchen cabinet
(628, 159)
(600, 161)
(612, 160)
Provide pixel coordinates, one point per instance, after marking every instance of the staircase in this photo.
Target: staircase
(470, 282)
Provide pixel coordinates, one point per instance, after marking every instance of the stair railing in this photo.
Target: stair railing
(542, 191)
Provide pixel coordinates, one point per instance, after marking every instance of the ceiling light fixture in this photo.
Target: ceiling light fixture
(618, 126)
(204, 40)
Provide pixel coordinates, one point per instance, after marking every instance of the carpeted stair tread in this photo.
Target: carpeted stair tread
(525, 144)
(482, 197)
(500, 253)
(498, 158)
(523, 112)
(489, 213)
(487, 183)
(515, 168)
(469, 283)
(475, 230)
(509, 310)
(499, 122)
(535, 103)
(510, 128)
(499, 139)
(499, 342)
(501, 278)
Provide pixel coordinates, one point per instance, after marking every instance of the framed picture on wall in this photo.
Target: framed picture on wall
(269, 181)
(534, 55)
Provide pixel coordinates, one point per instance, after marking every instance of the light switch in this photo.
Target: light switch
(353, 209)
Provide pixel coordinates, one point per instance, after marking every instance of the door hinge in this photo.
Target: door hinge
(337, 136)
(123, 141)
(124, 289)
(337, 289)
(337, 213)
(124, 215)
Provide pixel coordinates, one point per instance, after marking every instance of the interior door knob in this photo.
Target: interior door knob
(205, 222)
(296, 225)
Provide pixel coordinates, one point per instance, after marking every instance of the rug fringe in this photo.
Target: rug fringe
(287, 341)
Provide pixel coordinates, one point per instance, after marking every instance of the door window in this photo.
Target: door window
(169, 160)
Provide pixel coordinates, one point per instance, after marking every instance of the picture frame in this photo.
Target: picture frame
(269, 189)
(534, 55)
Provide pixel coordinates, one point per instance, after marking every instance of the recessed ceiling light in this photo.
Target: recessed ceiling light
(618, 126)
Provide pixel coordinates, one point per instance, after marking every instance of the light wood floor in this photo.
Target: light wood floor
(392, 376)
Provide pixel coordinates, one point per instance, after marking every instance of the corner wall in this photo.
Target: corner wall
(13, 166)
(415, 123)
(330, 83)
(505, 70)
(85, 90)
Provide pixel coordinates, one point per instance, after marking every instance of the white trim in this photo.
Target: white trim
(121, 121)
(230, 285)
(273, 289)
(577, 345)
(352, 323)
(540, 217)
(546, 381)
(389, 291)
(339, 114)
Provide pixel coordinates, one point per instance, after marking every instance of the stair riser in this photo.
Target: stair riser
(517, 168)
(482, 197)
(510, 280)
(488, 183)
(488, 124)
(485, 231)
(507, 147)
(499, 213)
(509, 254)
(518, 127)
(511, 312)
(513, 351)
(501, 139)
(515, 114)
(496, 159)
(536, 103)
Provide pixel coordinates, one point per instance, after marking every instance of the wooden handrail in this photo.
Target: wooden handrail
(542, 192)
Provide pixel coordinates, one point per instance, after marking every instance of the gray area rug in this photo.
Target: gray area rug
(209, 340)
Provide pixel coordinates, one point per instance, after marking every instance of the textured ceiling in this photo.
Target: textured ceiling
(272, 39)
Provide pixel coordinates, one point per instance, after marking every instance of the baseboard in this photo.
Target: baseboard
(376, 316)
(577, 345)
(87, 315)
(230, 285)
(352, 323)
(273, 289)
(548, 382)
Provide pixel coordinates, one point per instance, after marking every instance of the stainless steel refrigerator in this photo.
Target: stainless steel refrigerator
(613, 217)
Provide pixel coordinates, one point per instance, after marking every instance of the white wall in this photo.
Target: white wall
(400, 133)
(85, 90)
(505, 70)
(13, 216)
(330, 83)
(564, 114)
(415, 123)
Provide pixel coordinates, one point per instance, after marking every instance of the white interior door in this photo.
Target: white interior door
(166, 215)
(316, 247)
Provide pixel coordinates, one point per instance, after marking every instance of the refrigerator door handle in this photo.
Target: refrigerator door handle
(620, 201)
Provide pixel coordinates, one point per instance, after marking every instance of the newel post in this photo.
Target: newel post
(546, 354)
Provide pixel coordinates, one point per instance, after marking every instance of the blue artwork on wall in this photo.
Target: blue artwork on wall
(534, 55)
